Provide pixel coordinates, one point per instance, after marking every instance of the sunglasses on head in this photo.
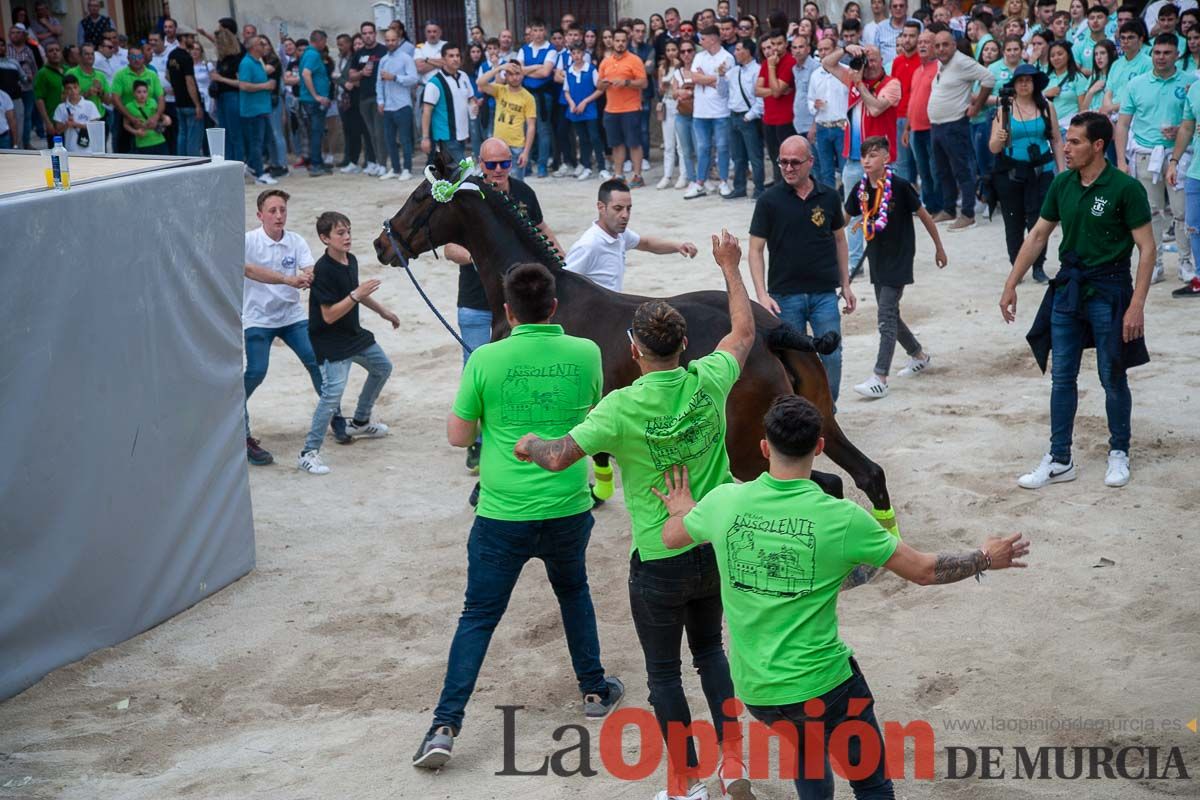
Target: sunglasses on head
(505, 164)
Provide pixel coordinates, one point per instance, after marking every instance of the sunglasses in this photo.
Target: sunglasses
(687, 50)
(743, 27)
(498, 164)
(792, 163)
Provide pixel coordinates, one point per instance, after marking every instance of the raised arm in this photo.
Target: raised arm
(927, 569)
(728, 255)
(662, 247)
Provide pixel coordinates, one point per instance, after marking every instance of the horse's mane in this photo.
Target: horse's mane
(509, 211)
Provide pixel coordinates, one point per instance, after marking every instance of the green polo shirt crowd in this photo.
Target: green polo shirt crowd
(669, 417)
(541, 381)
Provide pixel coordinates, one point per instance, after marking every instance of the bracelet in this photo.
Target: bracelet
(987, 559)
(352, 297)
(1173, 160)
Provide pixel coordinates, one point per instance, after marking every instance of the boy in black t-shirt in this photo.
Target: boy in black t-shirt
(891, 247)
(338, 340)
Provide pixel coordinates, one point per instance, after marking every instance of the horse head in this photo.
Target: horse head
(426, 218)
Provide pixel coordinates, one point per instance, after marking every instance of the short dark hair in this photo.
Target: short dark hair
(1167, 10)
(793, 426)
(912, 23)
(229, 24)
(1097, 9)
(492, 40)
(263, 197)
(711, 30)
(749, 44)
(874, 143)
(450, 46)
(317, 33)
(330, 220)
(938, 27)
(985, 17)
(367, 24)
(1166, 39)
(140, 85)
(659, 327)
(851, 24)
(529, 290)
(1134, 26)
(1044, 3)
(608, 187)
(537, 22)
(1096, 126)
(70, 79)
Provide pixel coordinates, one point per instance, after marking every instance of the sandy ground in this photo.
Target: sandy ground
(315, 675)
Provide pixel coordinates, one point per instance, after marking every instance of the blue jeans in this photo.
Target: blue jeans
(706, 131)
(230, 118)
(1192, 215)
(258, 355)
(496, 553)
(517, 170)
(852, 173)
(399, 122)
(253, 130)
(276, 143)
(877, 785)
(477, 136)
(904, 165)
(545, 132)
(587, 131)
(646, 106)
(980, 133)
(333, 376)
(475, 328)
(955, 165)
(6, 140)
(1066, 348)
(687, 145)
(313, 115)
(191, 132)
(820, 311)
(31, 114)
(931, 187)
(747, 145)
(829, 155)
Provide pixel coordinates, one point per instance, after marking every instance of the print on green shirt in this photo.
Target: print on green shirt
(545, 395)
(679, 439)
(781, 568)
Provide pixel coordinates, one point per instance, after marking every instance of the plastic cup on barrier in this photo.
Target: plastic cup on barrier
(95, 137)
(216, 143)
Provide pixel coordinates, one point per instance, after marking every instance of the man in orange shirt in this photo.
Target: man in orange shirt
(917, 133)
(904, 65)
(622, 77)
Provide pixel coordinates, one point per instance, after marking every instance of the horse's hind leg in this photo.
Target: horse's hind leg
(830, 484)
(866, 474)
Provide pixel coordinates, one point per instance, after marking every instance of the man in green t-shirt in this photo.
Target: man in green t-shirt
(783, 548)
(1092, 301)
(670, 415)
(542, 379)
(48, 86)
(123, 98)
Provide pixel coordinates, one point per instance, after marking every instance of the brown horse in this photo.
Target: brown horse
(497, 234)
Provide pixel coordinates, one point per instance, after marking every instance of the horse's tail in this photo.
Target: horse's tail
(785, 337)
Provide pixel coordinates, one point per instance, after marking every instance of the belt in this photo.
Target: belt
(841, 123)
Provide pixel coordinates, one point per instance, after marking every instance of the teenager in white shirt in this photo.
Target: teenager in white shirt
(710, 114)
(73, 114)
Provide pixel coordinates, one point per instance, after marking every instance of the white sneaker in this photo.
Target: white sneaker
(328, 159)
(350, 169)
(311, 463)
(916, 366)
(247, 171)
(681, 183)
(1186, 271)
(387, 176)
(605, 175)
(1048, 471)
(405, 175)
(872, 388)
(371, 430)
(1117, 474)
(646, 165)
(725, 189)
(266, 180)
(372, 168)
(664, 183)
(694, 191)
(562, 171)
(584, 175)
(1157, 276)
(711, 185)
(627, 166)
(579, 170)
(697, 792)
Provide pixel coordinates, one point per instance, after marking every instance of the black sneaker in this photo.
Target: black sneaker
(736, 195)
(1040, 276)
(474, 498)
(434, 752)
(338, 426)
(256, 455)
(597, 706)
(473, 459)
(1190, 289)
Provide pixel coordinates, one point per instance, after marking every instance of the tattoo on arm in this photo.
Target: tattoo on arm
(556, 455)
(954, 567)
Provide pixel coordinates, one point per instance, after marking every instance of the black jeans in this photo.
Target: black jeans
(1020, 203)
(836, 700)
(352, 132)
(668, 597)
(774, 135)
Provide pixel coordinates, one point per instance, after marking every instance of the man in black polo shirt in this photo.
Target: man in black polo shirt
(474, 312)
(801, 222)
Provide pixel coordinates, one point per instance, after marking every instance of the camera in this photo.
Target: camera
(857, 63)
(1007, 93)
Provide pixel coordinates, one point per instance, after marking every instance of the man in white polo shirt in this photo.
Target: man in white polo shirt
(278, 265)
(600, 252)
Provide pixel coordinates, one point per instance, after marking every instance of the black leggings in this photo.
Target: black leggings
(1020, 203)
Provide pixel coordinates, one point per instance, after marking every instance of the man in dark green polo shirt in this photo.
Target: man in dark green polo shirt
(48, 86)
(1093, 299)
(783, 548)
(540, 379)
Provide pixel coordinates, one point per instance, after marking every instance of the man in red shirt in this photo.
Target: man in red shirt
(917, 136)
(906, 62)
(776, 86)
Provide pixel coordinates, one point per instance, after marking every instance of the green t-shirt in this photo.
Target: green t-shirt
(47, 87)
(783, 548)
(122, 84)
(1191, 111)
(675, 416)
(1097, 220)
(85, 85)
(541, 381)
(1155, 102)
(1123, 71)
(150, 136)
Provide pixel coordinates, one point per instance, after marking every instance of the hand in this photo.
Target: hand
(855, 76)
(1134, 326)
(523, 159)
(571, 105)
(819, 104)
(200, 113)
(851, 300)
(381, 108)
(1172, 169)
(903, 137)
(854, 50)
(521, 448)
(369, 69)
(1004, 551)
(678, 498)
(687, 249)
(1169, 131)
(722, 69)
(387, 76)
(773, 60)
(392, 318)
(366, 289)
(603, 84)
(298, 281)
(726, 251)
(202, 32)
(426, 144)
(581, 106)
(768, 302)
(1008, 303)
(1002, 136)
(1052, 92)
(940, 259)
(323, 101)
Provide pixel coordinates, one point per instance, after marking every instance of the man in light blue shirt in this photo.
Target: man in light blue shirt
(803, 120)
(397, 76)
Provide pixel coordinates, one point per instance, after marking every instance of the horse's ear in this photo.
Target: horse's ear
(445, 162)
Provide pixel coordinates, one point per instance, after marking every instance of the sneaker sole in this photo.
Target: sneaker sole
(870, 395)
(368, 435)
(261, 463)
(740, 789)
(1064, 478)
(433, 759)
(611, 708)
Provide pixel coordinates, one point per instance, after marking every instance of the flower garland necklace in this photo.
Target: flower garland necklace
(875, 218)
